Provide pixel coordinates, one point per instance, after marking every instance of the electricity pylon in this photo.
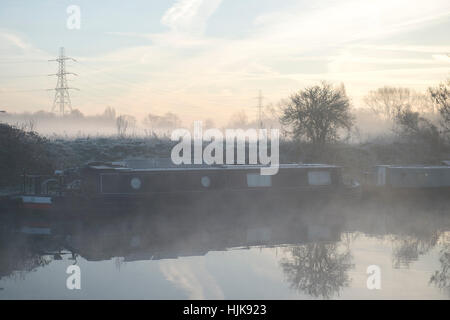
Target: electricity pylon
(62, 97)
(260, 106)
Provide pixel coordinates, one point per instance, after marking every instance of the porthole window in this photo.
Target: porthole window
(135, 183)
(206, 181)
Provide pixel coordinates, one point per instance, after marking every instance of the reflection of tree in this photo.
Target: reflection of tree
(408, 249)
(318, 269)
(18, 266)
(20, 253)
(441, 278)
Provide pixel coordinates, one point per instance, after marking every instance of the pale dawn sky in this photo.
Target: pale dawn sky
(209, 58)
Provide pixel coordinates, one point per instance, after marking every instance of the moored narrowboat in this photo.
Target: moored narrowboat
(119, 187)
(411, 181)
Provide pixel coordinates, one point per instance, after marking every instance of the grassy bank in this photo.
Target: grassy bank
(22, 151)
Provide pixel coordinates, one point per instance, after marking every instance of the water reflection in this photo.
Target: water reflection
(318, 269)
(316, 257)
(441, 277)
(407, 249)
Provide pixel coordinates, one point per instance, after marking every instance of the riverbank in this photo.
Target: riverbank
(27, 152)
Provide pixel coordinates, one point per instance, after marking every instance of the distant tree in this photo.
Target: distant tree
(238, 120)
(123, 123)
(388, 102)
(208, 123)
(76, 114)
(41, 114)
(441, 97)
(109, 113)
(317, 113)
(167, 121)
(412, 126)
(28, 125)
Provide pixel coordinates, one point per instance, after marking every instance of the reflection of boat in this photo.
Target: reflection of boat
(120, 188)
(168, 235)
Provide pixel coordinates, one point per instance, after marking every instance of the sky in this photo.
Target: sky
(209, 58)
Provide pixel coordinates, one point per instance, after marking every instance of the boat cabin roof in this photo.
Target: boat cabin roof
(106, 167)
(413, 167)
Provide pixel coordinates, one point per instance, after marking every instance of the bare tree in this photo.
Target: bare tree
(317, 113)
(441, 97)
(123, 123)
(412, 126)
(28, 125)
(109, 113)
(76, 114)
(388, 102)
(32, 124)
(238, 120)
(167, 121)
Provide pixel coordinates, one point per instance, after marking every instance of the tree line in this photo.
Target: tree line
(318, 114)
(322, 113)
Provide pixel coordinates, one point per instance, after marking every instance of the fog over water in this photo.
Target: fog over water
(305, 253)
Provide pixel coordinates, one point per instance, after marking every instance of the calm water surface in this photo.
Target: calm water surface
(291, 254)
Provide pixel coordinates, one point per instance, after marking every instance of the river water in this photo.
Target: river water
(372, 250)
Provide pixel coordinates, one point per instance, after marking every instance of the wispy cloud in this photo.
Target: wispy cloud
(189, 69)
(442, 57)
(14, 40)
(408, 48)
(192, 277)
(189, 16)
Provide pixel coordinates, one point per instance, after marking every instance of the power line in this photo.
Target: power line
(21, 61)
(62, 97)
(30, 90)
(24, 76)
(111, 77)
(93, 90)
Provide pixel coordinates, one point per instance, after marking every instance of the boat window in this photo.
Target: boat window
(257, 180)
(135, 183)
(319, 178)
